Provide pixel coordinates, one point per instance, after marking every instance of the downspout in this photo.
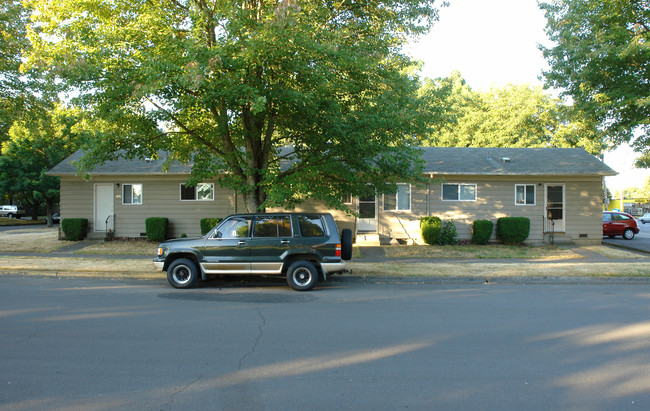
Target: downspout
(429, 195)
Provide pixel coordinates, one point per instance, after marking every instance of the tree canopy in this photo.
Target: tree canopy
(223, 85)
(37, 143)
(601, 60)
(510, 116)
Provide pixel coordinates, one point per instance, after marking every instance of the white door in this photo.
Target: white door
(103, 207)
(367, 214)
(554, 208)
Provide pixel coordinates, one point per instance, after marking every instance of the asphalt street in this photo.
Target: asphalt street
(93, 344)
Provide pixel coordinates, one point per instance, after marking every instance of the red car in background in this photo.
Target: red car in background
(617, 223)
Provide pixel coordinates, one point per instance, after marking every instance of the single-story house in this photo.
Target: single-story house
(559, 189)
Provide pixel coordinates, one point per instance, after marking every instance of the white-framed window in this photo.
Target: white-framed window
(132, 194)
(459, 192)
(347, 199)
(400, 201)
(524, 194)
(200, 192)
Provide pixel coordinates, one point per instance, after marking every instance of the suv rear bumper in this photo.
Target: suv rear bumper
(329, 268)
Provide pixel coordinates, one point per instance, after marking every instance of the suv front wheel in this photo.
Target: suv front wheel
(302, 275)
(182, 273)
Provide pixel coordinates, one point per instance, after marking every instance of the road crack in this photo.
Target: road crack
(260, 334)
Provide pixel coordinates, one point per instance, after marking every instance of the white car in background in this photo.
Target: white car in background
(10, 211)
(645, 218)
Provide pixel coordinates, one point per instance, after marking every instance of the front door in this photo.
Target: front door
(555, 208)
(228, 250)
(104, 207)
(367, 214)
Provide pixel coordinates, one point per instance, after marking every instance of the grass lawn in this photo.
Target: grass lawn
(4, 221)
(490, 251)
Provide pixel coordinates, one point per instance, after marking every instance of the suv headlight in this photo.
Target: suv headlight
(162, 251)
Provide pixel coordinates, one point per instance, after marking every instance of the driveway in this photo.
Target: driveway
(640, 242)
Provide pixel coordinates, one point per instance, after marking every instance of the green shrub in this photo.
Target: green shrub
(430, 228)
(208, 224)
(482, 231)
(513, 230)
(75, 229)
(156, 228)
(448, 233)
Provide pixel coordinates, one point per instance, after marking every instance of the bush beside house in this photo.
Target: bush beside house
(156, 228)
(74, 229)
(513, 230)
(482, 231)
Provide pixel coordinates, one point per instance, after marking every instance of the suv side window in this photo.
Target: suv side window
(236, 227)
(311, 226)
(274, 226)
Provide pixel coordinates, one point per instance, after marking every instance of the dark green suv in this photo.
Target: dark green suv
(300, 246)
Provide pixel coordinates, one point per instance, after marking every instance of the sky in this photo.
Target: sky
(495, 43)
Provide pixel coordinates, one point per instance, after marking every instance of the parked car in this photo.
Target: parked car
(56, 218)
(617, 223)
(645, 218)
(302, 247)
(11, 211)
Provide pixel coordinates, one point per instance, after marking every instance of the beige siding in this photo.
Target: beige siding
(495, 198)
(161, 198)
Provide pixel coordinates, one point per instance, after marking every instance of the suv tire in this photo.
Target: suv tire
(302, 276)
(346, 244)
(182, 273)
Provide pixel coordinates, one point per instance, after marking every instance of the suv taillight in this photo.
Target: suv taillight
(338, 250)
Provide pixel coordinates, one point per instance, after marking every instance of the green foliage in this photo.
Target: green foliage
(430, 228)
(156, 228)
(233, 81)
(482, 231)
(513, 230)
(37, 143)
(599, 59)
(511, 116)
(208, 224)
(448, 233)
(75, 229)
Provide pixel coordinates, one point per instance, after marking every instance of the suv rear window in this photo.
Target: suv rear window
(272, 226)
(311, 226)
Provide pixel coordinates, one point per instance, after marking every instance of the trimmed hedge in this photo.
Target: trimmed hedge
(430, 228)
(75, 229)
(208, 224)
(482, 231)
(156, 228)
(513, 230)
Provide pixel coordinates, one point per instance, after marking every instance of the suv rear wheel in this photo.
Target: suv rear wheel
(302, 275)
(182, 273)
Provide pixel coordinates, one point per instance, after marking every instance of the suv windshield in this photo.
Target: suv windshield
(236, 227)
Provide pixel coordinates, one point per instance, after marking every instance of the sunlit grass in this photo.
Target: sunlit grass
(479, 251)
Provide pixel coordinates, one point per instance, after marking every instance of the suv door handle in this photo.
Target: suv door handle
(284, 241)
(242, 242)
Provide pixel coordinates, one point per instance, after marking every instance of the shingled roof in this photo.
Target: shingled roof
(438, 160)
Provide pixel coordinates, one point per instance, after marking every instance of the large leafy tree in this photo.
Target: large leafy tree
(37, 143)
(510, 116)
(601, 59)
(224, 85)
(13, 40)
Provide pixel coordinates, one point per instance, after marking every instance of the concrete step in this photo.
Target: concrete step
(368, 240)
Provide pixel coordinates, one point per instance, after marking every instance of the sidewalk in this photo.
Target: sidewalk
(373, 265)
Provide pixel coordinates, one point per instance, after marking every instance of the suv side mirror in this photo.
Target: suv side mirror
(218, 234)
